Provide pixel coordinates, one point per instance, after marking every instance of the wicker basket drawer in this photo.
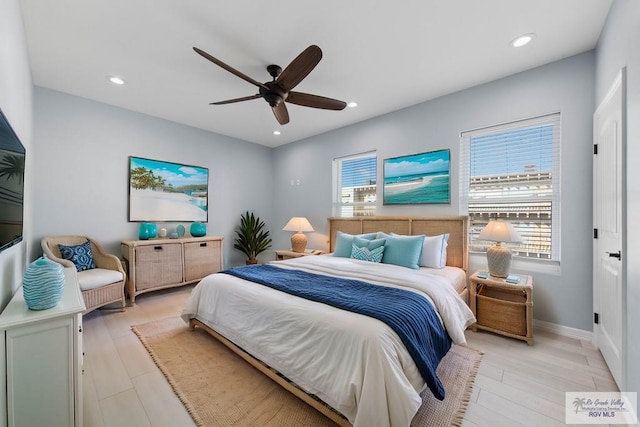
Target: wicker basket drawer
(158, 265)
(501, 314)
(201, 259)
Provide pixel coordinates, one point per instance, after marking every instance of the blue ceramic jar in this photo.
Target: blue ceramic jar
(42, 284)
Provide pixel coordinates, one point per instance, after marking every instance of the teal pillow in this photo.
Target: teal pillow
(366, 254)
(344, 241)
(404, 251)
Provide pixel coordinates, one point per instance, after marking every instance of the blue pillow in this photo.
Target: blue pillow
(366, 254)
(80, 255)
(402, 250)
(344, 241)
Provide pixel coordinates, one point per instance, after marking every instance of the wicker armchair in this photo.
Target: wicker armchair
(100, 286)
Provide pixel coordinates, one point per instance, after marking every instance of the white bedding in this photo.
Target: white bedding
(352, 362)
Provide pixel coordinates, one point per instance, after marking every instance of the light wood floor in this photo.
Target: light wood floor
(516, 385)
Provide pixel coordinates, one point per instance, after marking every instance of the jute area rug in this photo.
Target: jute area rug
(218, 388)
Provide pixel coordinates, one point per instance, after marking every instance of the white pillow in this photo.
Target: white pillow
(434, 251)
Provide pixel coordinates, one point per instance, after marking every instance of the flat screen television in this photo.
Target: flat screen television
(12, 156)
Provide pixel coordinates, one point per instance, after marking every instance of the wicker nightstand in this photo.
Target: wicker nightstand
(501, 307)
(282, 254)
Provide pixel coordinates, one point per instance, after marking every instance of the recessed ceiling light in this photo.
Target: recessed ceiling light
(116, 80)
(352, 104)
(522, 40)
(276, 132)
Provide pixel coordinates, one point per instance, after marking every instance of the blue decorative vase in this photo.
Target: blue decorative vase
(148, 230)
(42, 284)
(143, 232)
(198, 229)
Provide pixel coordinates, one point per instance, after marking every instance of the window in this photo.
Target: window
(511, 172)
(354, 186)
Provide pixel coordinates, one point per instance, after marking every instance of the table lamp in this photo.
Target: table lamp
(498, 256)
(299, 224)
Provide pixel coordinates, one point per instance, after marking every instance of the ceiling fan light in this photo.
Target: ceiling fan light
(116, 80)
(276, 132)
(522, 40)
(352, 104)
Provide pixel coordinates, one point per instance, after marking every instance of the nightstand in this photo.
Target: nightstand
(282, 254)
(502, 307)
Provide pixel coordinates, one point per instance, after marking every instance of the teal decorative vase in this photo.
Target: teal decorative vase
(148, 230)
(143, 232)
(153, 230)
(198, 229)
(42, 284)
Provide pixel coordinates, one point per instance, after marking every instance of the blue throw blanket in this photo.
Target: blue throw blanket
(409, 314)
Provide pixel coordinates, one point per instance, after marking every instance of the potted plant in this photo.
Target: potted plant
(251, 237)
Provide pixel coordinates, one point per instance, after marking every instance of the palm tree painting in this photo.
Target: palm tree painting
(166, 191)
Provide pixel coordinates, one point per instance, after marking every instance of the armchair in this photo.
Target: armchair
(101, 285)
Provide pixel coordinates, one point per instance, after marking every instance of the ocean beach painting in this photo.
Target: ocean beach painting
(417, 178)
(167, 191)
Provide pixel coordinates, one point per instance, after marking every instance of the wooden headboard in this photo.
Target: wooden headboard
(456, 226)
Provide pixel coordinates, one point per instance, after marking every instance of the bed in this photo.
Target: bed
(343, 363)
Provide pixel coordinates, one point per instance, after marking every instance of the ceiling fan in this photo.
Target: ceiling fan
(279, 90)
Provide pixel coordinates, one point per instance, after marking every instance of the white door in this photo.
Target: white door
(608, 257)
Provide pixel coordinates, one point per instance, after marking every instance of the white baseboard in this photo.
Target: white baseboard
(566, 331)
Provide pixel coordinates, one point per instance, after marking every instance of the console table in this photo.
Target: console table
(41, 360)
(166, 263)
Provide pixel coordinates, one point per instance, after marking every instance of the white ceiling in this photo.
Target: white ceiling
(384, 55)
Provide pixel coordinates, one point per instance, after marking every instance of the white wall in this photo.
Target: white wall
(82, 151)
(619, 46)
(16, 103)
(563, 297)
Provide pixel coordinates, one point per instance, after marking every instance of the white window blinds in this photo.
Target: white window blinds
(354, 180)
(512, 172)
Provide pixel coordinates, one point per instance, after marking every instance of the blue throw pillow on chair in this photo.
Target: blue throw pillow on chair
(80, 255)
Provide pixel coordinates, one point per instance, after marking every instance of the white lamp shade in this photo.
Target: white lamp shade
(500, 231)
(299, 224)
(298, 240)
(498, 256)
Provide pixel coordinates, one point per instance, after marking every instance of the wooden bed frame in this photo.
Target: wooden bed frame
(457, 256)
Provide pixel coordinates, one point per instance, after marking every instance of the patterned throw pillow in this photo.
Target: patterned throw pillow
(366, 254)
(80, 255)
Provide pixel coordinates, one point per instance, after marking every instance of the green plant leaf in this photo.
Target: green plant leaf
(252, 238)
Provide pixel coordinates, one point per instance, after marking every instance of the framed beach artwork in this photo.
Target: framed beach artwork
(417, 178)
(165, 191)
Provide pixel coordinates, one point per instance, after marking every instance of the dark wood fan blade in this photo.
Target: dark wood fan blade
(315, 101)
(299, 68)
(231, 101)
(229, 69)
(281, 113)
